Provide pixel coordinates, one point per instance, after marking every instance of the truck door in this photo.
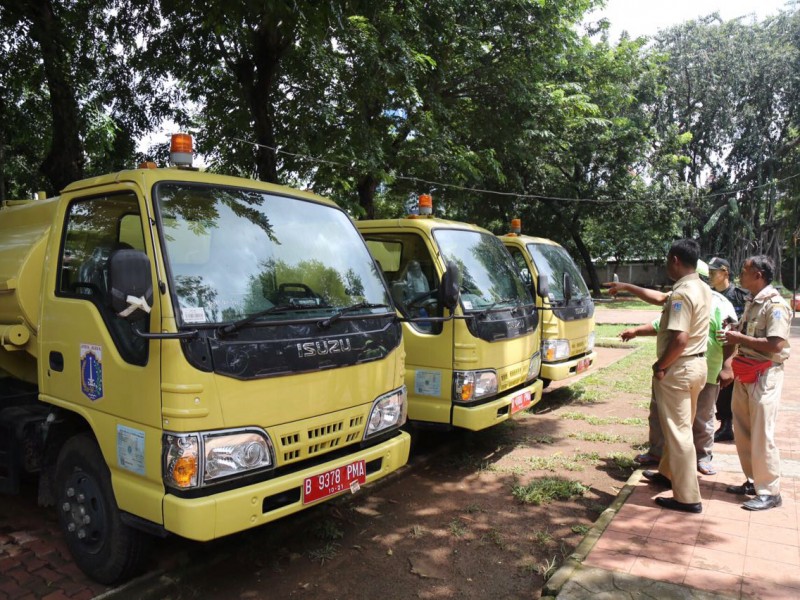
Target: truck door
(408, 265)
(92, 360)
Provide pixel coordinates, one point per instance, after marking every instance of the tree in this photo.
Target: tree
(732, 85)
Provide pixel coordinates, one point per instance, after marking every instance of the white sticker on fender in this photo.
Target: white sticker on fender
(428, 383)
(130, 449)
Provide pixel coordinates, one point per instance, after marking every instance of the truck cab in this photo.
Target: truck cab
(477, 366)
(204, 354)
(567, 309)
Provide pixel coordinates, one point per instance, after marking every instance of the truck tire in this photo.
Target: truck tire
(102, 546)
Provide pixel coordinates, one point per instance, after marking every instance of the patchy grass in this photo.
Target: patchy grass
(326, 530)
(624, 302)
(577, 416)
(324, 553)
(596, 436)
(495, 537)
(542, 537)
(558, 462)
(623, 461)
(581, 529)
(417, 531)
(547, 568)
(457, 528)
(544, 490)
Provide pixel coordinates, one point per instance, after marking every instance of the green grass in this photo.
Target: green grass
(542, 537)
(324, 553)
(581, 529)
(623, 461)
(326, 530)
(457, 528)
(596, 436)
(578, 416)
(547, 489)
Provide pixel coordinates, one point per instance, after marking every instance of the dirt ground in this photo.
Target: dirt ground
(449, 528)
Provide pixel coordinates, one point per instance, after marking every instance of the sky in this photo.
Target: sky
(646, 17)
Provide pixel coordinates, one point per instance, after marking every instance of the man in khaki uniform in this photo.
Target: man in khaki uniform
(679, 375)
(763, 340)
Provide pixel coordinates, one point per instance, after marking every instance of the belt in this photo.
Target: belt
(700, 354)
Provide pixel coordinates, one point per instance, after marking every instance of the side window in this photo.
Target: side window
(95, 228)
(519, 259)
(409, 270)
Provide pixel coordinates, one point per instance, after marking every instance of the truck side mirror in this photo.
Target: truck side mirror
(567, 287)
(449, 287)
(543, 288)
(130, 283)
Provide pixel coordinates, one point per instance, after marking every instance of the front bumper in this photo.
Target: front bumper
(498, 410)
(243, 508)
(568, 368)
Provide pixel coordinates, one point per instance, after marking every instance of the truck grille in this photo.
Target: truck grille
(298, 441)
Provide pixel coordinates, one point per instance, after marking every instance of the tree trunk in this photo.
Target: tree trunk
(64, 161)
(366, 188)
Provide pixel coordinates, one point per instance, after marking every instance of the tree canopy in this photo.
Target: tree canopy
(499, 108)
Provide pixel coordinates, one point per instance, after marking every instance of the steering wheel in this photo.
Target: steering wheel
(424, 299)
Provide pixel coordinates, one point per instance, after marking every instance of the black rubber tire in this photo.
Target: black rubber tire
(108, 551)
(546, 383)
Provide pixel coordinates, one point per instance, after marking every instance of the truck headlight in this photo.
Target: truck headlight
(388, 412)
(554, 350)
(204, 458)
(473, 385)
(590, 342)
(535, 366)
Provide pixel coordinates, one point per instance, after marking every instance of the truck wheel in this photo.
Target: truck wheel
(546, 383)
(102, 546)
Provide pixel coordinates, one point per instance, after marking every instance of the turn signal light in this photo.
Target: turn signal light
(185, 471)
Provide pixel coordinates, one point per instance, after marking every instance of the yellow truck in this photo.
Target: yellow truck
(192, 354)
(477, 366)
(566, 306)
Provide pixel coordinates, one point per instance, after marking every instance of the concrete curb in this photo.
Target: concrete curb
(553, 585)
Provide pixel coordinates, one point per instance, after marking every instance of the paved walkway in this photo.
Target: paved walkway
(639, 550)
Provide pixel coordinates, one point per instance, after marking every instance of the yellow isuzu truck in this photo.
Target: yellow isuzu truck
(566, 306)
(192, 354)
(479, 365)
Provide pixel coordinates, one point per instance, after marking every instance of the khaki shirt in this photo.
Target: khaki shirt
(767, 315)
(688, 308)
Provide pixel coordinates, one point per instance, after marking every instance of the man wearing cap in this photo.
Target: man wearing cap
(763, 347)
(719, 271)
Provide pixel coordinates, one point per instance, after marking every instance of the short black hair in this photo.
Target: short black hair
(687, 251)
(764, 264)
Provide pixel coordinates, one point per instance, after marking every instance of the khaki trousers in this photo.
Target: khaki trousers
(755, 409)
(676, 400)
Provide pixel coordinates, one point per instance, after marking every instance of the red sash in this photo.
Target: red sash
(748, 370)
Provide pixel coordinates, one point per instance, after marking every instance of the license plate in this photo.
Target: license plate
(334, 481)
(582, 365)
(520, 402)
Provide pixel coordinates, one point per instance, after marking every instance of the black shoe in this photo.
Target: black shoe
(746, 489)
(657, 478)
(725, 432)
(763, 502)
(672, 504)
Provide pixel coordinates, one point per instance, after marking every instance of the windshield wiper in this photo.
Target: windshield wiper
(483, 313)
(236, 325)
(327, 322)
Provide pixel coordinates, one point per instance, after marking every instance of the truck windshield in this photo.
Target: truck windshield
(554, 261)
(489, 276)
(235, 252)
